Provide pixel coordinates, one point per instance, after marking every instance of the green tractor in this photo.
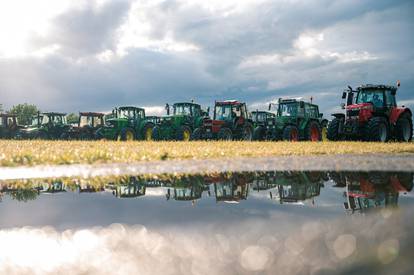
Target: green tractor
(127, 124)
(8, 126)
(51, 125)
(298, 120)
(181, 124)
(264, 124)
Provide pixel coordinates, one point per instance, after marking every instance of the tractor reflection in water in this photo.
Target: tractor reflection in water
(187, 189)
(19, 194)
(52, 187)
(232, 189)
(127, 188)
(86, 187)
(297, 187)
(376, 190)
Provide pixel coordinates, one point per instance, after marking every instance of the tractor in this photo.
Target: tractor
(181, 124)
(126, 123)
(233, 189)
(372, 114)
(8, 126)
(51, 125)
(88, 124)
(298, 120)
(263, 124)
(231, 121)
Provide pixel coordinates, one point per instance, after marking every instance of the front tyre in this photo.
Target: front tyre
(127, 134)
(184, 133)
(197, 134)
(225, 134)
(259, 133)
(333, 130)
(377, 130)
(313, 132)
(291, 133)
(156, 133)
(404, 128)
(147, 132)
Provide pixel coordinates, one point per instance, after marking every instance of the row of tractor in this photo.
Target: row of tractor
(371, 114)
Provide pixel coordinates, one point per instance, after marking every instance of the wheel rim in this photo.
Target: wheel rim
(294, 135)
(148, 134)
(324, 134)
(314, 134)
(186, 135)
(406, 130)
(118, 138)
(382, 132)
(129, 136)
(247, 134)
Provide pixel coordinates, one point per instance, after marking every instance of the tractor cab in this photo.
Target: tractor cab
(8, 125)
(153, 119)
(91, 120)
(189, 192)
(47, 125)
(132, 188)
(372, 114)
(263, 118)
(233, 189)
(264, 181)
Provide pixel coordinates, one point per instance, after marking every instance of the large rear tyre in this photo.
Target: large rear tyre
(259, 133)
(333, 130)
(184, 133)
(313, 132)
(404, 128)
(377, 130)
(126, 134)
(291, 133)
(225, 134)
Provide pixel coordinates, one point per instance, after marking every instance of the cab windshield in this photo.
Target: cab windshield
(287, 109)
(85, 121)
(223, 112)
(259, 117)
(129, 113)
(376, 97)
(36, 120)
(182, 110)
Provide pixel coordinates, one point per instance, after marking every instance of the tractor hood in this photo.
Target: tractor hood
(211, 122)
(361, 106)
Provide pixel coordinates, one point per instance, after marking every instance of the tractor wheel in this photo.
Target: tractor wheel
(225, 134)
(42, 135)
(147, 132)
(313, 132)
(291, 133)
(377, 130)
(333, 129)
(197, 134)
(259, 133)
(184, 133)
(127, 134)
(247, 133)
(64, 136)
(156, 135)
(404, 128)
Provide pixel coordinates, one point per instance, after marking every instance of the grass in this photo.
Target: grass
(18, 153)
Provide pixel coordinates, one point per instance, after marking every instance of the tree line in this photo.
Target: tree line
(25, 112)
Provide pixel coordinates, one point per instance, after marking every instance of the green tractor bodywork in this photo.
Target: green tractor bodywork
(264, 124)
(299, 120)
(126, 123)
(8, 126)
(51, 125)
(181, 124)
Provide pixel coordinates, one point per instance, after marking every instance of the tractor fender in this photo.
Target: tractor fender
(339, 115)
(397, 112)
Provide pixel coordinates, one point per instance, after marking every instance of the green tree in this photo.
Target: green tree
(72, 118)
(24, 112)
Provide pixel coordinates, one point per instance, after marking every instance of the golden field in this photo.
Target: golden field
(37, 152)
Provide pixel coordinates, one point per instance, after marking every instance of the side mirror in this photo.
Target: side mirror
(343, 105)
(208, 110)
(302, 104)
(320, 115)
(343, 95)
(270, 106)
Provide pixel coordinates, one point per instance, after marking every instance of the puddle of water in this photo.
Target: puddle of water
(232, 223)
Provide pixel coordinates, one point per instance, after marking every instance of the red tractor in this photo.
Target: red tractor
(231, 121)
(372, 114)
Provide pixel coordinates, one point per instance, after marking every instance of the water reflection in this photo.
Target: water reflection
(361, 191)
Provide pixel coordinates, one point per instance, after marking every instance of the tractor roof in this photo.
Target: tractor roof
(7, 115)
(377, 87)
(262, 112)
(186, 103)
(53, 114)
(229, 102)
(293, 99)
(91, 114)
(131, 107)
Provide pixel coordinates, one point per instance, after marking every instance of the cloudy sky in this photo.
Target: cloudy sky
(74, 55)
